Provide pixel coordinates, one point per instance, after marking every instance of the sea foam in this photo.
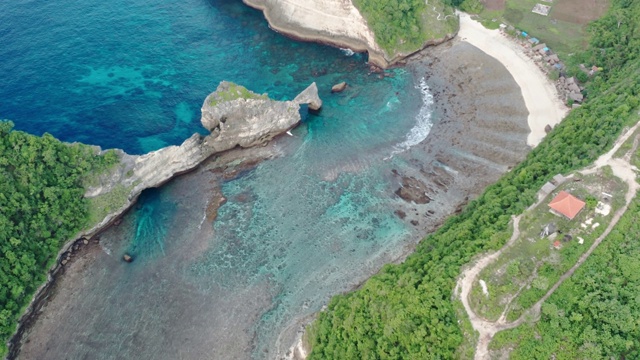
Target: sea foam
(347, 52)
(423, 125)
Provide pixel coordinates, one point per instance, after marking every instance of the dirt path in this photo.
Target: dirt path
(487, 329)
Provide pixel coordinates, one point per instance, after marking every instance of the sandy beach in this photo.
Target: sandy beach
(479, 132)
(540, 96)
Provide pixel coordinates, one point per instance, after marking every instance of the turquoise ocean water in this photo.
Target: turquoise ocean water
(296, 230)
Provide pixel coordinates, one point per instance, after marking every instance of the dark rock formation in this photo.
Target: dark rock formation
(413, 190)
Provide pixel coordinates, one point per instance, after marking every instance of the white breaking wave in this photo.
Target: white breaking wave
(347, 52)
(105, 249)
(392, 104)
(423, 125)
(204, 217)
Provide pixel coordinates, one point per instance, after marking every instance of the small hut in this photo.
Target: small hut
(566, 205)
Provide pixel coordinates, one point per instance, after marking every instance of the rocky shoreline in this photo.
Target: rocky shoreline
(237, 123)
(479, 133)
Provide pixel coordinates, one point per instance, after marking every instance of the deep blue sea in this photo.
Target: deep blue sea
(132, 74)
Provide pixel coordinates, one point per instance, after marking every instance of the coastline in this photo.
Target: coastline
(541, 101)
(506, 64)
(239, 129)
(539, 93)
(299, 33)
(222, 166)
(361, 40)
(454, 172)
(479, 132)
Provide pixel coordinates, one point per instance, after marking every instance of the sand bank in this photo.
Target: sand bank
(540, 96)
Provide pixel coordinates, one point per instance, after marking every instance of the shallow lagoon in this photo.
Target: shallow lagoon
(312, 222)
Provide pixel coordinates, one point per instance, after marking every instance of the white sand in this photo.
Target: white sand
(322, 18)
(540, 96)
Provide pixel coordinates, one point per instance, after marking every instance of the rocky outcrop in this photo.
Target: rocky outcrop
(244, 121)
(238, 117)
(235, 122)
(570, 88)
(339, 87)
(332, 22)
(310, 97)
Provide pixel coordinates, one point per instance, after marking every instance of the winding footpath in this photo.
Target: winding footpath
(486, 329)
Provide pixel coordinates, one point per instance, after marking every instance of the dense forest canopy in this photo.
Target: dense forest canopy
(406, 310)
(404, 25)
(41, 207)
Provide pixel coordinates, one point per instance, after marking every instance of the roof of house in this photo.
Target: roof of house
(558, 178)
(567, 204)
(548, 187)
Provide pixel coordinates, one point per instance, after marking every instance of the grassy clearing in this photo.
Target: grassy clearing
(100, 206)
(564, 30)
(467, 348)
(628, 146)
(524, 272)
(233, 92)
(592, 315)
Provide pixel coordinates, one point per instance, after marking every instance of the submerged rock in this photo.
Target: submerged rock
(339, 87)
(414, 190)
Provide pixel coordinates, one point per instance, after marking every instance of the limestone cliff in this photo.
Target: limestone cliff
(234, 115)
(244, 121)
(334, 22)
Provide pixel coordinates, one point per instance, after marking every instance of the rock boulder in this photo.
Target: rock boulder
(309, 96)
(234, 115)
(339, 87)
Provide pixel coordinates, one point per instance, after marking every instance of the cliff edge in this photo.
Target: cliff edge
(332, 22)
(339, 23)
(235, 116)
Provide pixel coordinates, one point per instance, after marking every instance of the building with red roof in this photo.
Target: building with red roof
(566, 205)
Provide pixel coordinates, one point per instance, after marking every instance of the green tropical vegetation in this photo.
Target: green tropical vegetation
(232, 91)
(41, 207)
(525, 271)
(405, 25)
(406, 310)
(594, 314)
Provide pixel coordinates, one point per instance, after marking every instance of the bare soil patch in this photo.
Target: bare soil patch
(579, 11)
(494, 4)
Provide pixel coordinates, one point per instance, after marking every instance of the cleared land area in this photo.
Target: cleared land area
(564, 29)
(486, 327)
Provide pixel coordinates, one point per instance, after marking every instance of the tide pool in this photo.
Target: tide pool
(301, 227)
